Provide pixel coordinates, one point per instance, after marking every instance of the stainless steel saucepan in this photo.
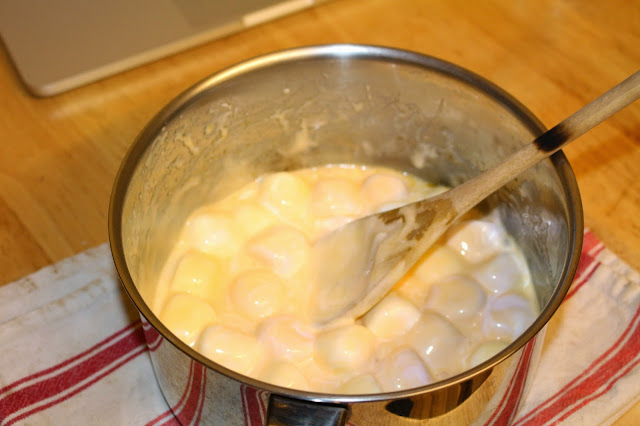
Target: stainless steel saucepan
(338, 104)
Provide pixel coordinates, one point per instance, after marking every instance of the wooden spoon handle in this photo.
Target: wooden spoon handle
(590, 115)
(467, 195)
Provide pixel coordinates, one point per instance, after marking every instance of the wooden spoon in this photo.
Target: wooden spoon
(359, 263)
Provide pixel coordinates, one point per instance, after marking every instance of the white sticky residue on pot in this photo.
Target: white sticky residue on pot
(220, 124)
(281, 117)
(187, 141)
(302, 140)
(421, 154)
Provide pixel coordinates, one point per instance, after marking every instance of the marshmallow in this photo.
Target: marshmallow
(282, 248)
(392, 317)
(439, 343)
(457, 297)
(403, 369)
(186, 315)
(477, 240)
(380, 189)
(258, 293)
(199, 274)
(236, 351)
(335, 197)
(502, 273)
(360, 385)
(286, 195)
(213, 232)
(345, 348)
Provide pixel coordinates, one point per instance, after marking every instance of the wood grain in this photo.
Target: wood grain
(59, 155)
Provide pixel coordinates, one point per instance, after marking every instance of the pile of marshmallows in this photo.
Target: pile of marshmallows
(237, 287)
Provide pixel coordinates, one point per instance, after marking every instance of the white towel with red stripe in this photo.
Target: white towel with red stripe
(72, 349)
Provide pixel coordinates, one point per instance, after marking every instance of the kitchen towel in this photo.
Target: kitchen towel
(72, 349)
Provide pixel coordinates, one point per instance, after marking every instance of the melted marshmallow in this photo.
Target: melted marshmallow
(237, 287)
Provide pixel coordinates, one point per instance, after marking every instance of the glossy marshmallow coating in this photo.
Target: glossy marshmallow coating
(237, 287)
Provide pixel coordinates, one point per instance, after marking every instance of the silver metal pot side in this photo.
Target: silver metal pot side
(338, 104)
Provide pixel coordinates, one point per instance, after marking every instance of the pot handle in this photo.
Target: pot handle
(285, 411)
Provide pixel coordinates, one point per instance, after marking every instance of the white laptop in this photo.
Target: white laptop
(57, 45)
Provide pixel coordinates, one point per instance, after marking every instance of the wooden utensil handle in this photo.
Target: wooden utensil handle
(590, 115)
(467, 195)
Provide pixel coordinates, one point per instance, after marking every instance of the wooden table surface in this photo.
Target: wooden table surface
(59, 155)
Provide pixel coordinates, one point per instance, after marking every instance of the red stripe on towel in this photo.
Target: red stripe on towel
(168, 418)
(253, 406)
(63, 364)
(51, 386)
(588, 264)
(508, 406)
(154, 338)
(593, 381)
(191, 410)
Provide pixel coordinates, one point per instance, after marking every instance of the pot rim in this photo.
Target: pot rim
(343, 51)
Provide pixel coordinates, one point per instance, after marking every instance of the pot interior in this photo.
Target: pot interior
(339, 104)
